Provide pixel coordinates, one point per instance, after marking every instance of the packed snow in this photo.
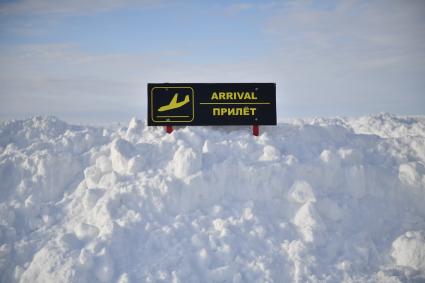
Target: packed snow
(310, 200)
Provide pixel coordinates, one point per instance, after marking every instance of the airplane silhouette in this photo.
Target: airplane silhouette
(174, 104)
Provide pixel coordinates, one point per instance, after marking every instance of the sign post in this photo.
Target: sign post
(212, 104)
(255, 130)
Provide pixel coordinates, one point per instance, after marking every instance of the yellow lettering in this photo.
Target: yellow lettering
(221, 95)
(216, 111)
(234, 111)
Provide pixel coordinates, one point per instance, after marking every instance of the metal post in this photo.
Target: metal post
(255, 130)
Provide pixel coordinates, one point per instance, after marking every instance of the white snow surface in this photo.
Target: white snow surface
(313, 200)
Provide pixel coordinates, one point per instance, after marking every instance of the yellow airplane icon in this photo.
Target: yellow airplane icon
(174, 104)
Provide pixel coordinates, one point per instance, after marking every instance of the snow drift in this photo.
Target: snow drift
(319, 200)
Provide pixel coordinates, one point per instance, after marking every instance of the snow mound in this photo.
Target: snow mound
(388, 125)
(409, 250)
(321, 200)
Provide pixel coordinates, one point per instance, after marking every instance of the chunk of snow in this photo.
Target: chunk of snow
(121, 152)
(185, 162)
(302, 192)
(408, 174)
(310, 224)
(409, 250)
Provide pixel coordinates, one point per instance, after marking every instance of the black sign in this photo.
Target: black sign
(212, 104)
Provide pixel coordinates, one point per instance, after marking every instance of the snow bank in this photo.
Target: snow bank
(321, 200)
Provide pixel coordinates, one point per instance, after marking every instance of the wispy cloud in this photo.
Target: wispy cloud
(356, 33)
(64, 6)
(239, 7)
(360, 55)
(46, 78)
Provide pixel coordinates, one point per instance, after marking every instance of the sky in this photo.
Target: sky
(90, 61)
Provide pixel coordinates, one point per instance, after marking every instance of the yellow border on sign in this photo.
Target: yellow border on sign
(237, 103)
(193, 104)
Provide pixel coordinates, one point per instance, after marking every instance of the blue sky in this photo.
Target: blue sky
(91, 60)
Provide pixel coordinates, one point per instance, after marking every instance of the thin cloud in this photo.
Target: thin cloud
(236, 8)
(354, 32)
(40, 78)
(239, 7)
(65, 7)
